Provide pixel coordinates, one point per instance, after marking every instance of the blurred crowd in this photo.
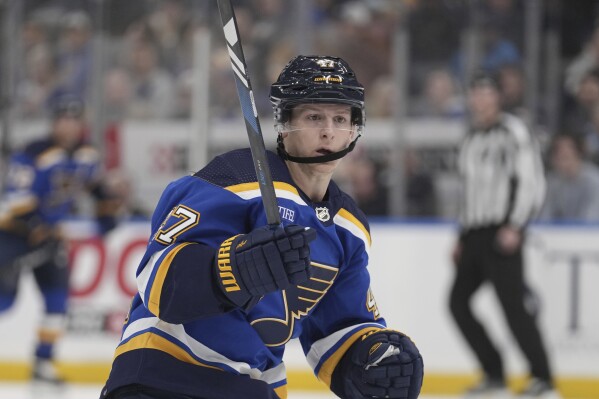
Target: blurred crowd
(142, 53)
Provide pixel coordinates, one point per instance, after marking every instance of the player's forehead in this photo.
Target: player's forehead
(323, 107)
(483, 90)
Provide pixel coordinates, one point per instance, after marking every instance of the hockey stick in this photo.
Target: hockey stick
(248, 108)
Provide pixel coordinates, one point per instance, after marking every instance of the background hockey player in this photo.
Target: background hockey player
(220, 293)
(43, 183)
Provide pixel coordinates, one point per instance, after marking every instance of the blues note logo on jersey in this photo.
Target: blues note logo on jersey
(298, 301)
(322, 213)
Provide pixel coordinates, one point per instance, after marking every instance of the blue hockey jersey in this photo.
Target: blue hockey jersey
(180, 335)
(43, 182)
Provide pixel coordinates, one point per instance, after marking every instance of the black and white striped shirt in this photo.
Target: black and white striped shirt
(502, 173)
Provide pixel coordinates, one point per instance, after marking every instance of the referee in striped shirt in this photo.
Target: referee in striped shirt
(504, 187)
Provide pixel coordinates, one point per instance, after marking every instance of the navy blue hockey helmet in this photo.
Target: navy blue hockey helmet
(67, 105)
(317, 79)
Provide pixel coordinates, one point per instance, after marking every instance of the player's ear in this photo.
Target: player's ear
(280, 128)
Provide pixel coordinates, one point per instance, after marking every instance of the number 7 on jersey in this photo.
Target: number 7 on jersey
(188, 218)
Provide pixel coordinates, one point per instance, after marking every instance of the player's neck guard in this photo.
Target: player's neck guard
(319, 159)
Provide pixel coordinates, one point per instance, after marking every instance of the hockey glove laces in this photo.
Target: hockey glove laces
(382, 364)
(265, 260)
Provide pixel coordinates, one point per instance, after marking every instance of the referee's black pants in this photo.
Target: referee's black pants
(481, 261)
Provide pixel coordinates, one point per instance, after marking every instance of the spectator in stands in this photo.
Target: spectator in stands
(591, 136)
(38, 84)
(183, 95)
(440, 97)
(152, 86)
(434, 33)
(357, 37)
(75, 56)
(367, 190)
(420, 193)
(508, 18)
(222, 91)
(572, 183)
(496, 51)
(169, 24)
(587, 60)
(117, 94)
(512, 82)
(33, 34)
(382, 97)
(578, 112)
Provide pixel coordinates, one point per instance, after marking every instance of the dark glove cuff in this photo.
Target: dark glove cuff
(341, 373)
(227, 276)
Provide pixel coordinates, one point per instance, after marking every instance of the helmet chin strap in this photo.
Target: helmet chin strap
(319, 159)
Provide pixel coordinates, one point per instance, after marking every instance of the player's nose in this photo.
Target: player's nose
(327, 128)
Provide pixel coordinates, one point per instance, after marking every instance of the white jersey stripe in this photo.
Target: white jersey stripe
(251, 194)
(352, 228)
(322, 346)
(271, 376)
(144, 277)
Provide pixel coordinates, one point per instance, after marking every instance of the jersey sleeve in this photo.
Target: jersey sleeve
(529, 180)
(175, 277)
(347, 311)
(22, 193)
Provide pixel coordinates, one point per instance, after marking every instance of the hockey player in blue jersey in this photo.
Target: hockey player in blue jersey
(220, 294)
(42, 183)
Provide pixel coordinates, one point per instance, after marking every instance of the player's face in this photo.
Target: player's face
(68, 131)
(319, 129)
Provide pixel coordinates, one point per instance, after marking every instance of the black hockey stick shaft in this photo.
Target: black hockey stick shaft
(248, 108)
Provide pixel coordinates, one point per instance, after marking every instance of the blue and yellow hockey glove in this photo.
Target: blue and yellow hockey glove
(381, 364)
(265, 260)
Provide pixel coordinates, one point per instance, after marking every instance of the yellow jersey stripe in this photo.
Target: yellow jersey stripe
(150, 340)
(281, 391)
(23, 206)
(154, 300)
(87, 154)
(301, 287)
(279, 185)
(326, 370)
(50, 157)
(48, 335)
(347, 215)
(248, 191)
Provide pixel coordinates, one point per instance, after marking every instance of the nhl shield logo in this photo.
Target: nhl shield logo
(322, 213)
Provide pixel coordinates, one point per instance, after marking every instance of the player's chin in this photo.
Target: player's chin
(325, 167)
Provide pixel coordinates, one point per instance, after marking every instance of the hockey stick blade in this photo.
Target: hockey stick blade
(248, 109)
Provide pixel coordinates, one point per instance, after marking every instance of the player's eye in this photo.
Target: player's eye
(313, 117)
(340, 119)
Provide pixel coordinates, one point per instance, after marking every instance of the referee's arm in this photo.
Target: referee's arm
(528, 183)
